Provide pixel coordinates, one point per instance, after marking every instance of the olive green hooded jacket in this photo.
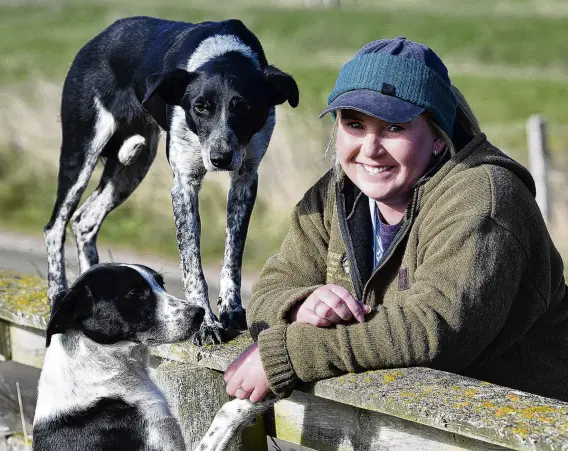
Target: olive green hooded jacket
(472, 283)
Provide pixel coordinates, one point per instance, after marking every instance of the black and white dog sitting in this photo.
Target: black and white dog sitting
(95, 393)
(210, 87)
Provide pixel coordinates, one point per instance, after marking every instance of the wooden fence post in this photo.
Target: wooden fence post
(195, 394)
(538, 162)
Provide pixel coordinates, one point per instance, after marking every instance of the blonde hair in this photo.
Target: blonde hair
(464, 117)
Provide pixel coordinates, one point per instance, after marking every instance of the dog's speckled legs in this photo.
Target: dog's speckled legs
(188, 229)
(240, 202)
(117, 183)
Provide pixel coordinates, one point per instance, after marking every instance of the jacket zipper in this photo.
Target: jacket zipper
(392, 248)
(355, 275)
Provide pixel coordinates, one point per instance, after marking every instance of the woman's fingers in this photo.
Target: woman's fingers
(332, 307)
(233, 384)
(330, 304)
(243, 393)
(356, 309)
(310, 317)
(258, 394)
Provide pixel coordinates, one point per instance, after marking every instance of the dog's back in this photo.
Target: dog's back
(115, 62)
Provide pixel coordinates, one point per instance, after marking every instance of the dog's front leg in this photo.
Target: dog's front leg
(185, 202)
(231, 418)
(240, 202)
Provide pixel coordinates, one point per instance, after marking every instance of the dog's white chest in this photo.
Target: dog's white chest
(71, 382)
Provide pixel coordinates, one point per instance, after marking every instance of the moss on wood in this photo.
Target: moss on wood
(23, 299)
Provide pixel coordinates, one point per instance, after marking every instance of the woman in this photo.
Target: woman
(424, 246)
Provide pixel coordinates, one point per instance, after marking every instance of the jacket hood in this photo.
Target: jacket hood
(479, 152)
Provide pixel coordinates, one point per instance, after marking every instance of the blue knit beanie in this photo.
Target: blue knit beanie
(395, 80)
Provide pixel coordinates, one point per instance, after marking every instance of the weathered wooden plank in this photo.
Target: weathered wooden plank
(449, 402)
(457, 404)
(326, 425)
(195, 394)
(5, 347)
(23, 299)
(27, 345)
(217, 357)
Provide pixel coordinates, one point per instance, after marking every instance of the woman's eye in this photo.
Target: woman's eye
(395, 128)
(355, 125)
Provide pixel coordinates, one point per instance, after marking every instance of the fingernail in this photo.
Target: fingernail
(367, 309)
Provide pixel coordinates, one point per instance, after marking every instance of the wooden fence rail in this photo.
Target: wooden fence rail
(410, 408)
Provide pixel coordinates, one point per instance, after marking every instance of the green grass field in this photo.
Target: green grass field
(509, 58)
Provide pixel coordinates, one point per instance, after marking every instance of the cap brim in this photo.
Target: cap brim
(373, 103)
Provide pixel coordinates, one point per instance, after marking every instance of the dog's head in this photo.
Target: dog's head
(226, 101)
(115, 302)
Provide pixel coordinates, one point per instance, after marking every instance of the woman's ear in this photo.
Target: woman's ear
(438, 146)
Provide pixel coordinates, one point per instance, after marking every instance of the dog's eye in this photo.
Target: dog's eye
(134, 294)
(201, 108)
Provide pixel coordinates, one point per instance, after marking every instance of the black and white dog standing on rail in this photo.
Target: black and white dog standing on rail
(95, 393)
(210, 87)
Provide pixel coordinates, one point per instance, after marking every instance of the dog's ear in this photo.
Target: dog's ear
(282, 86)
(166, 88)
(68, 307)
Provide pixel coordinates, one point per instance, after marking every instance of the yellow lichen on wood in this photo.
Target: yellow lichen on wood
(501, 411)
(542, 413)
(514, 397)
(539, 413)
(23, 295)
(523, 432)
(470, 393)
(407, 394)
(392, 376)
(459, 405)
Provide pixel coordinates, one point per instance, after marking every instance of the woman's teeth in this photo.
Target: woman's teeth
(376, 170)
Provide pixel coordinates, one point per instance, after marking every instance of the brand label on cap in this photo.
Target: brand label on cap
(388, 89)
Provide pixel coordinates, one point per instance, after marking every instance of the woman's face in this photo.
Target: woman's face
(384, 159)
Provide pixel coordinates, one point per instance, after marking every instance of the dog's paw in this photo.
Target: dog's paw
(235, 319)
(209, 334)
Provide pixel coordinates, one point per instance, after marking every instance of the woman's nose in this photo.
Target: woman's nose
(371, 146)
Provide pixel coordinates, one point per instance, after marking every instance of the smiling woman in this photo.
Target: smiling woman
(384, 160)
(423, 246)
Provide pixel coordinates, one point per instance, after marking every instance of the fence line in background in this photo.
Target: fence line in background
(539, 161)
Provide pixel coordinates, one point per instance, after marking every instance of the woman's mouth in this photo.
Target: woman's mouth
(376, 169)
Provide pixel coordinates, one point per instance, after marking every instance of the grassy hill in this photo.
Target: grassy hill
(509, 58)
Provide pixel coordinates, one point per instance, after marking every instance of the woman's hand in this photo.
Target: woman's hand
(245, 377)
(327, 305)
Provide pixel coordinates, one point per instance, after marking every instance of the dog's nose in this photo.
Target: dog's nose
(221, 160)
